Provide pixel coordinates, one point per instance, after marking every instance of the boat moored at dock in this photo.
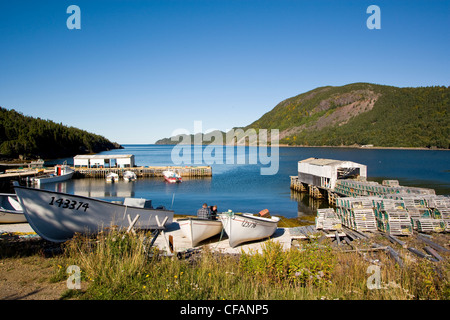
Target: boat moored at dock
(112, 177)
(129, 176)
(61, 173)
(172, 176)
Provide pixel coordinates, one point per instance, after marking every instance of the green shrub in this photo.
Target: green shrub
(313, 264)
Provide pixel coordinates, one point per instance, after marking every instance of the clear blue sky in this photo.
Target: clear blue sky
(137, 70)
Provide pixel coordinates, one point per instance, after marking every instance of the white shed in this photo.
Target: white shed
(325, 172)
(104, 160)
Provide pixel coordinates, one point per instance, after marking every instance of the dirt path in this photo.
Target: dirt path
(28, 278)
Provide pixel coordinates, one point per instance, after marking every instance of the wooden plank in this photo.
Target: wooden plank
(417, 252)
(347, 239)
(311, 229)
(432, 244)
(393, 239)
(360, 234)
(432, 252)
(337, 239)
(351, 235)
(365, 250)
(303, 231)
(394, 254)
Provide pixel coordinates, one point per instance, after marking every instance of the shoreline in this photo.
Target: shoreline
(303, 146)
(18, 162)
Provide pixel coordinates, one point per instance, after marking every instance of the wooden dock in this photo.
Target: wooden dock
(388, 207)
(19, 175)
(314, 192)
(150, 171)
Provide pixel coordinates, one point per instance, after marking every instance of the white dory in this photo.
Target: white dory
(58, 216)
(197, 230)
(247, 227)
(10, 209)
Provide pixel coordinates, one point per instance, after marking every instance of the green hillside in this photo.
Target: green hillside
(31, 138)
(363, 113)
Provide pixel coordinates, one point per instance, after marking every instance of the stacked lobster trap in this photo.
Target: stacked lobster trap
(398, 215)
(327, 219)
(389, 188)
(356, 213)
(392, 217)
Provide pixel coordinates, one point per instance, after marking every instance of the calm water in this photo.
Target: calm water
(242, 188)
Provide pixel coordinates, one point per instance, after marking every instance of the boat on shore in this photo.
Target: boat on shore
(197, 230)
(245, 227)
(10, 209)
(172, 176)
(112, 177)
(57, 216)
(129, 176)
(62, 173)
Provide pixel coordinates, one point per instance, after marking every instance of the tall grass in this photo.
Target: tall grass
(117, 266)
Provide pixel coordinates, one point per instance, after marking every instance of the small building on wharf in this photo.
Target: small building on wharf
(100, 165)
(319, 177)
(104, 161)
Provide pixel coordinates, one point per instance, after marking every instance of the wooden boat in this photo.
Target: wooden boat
(10, 209)
(172, 176)
(129, 176)
(197, 230)
(57, 216)
(112, 177)
(62, 173)
(246, 227)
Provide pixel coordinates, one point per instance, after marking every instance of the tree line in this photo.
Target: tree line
(26, 137)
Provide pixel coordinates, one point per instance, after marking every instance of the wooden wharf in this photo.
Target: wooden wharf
(148, 171)
(21, 175)
(364, 205)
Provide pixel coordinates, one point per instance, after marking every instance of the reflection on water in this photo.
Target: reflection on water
(306, 205)
(185, 197)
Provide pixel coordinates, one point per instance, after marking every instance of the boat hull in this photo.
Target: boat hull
(172, 180)
(197, 230)
(63, 177)
(7, 216)
(129, 176)
(10, 209)
(242, 228)
(58, 216)
(171, 177)
(112, 177)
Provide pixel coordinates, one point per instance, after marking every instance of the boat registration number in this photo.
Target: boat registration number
(247, 224)
(69, 204)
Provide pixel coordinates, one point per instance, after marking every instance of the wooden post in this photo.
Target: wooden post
(132, 223)
(161, 225)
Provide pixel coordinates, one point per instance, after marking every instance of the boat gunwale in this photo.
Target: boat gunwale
(250, 216)
(197, 219)
(93, 199)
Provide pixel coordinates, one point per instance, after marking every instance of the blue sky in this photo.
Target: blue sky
(138, 70)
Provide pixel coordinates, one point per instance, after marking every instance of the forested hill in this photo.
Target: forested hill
(363, 114)
(32, 138)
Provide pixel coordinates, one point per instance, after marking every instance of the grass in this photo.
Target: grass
(116, 266)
